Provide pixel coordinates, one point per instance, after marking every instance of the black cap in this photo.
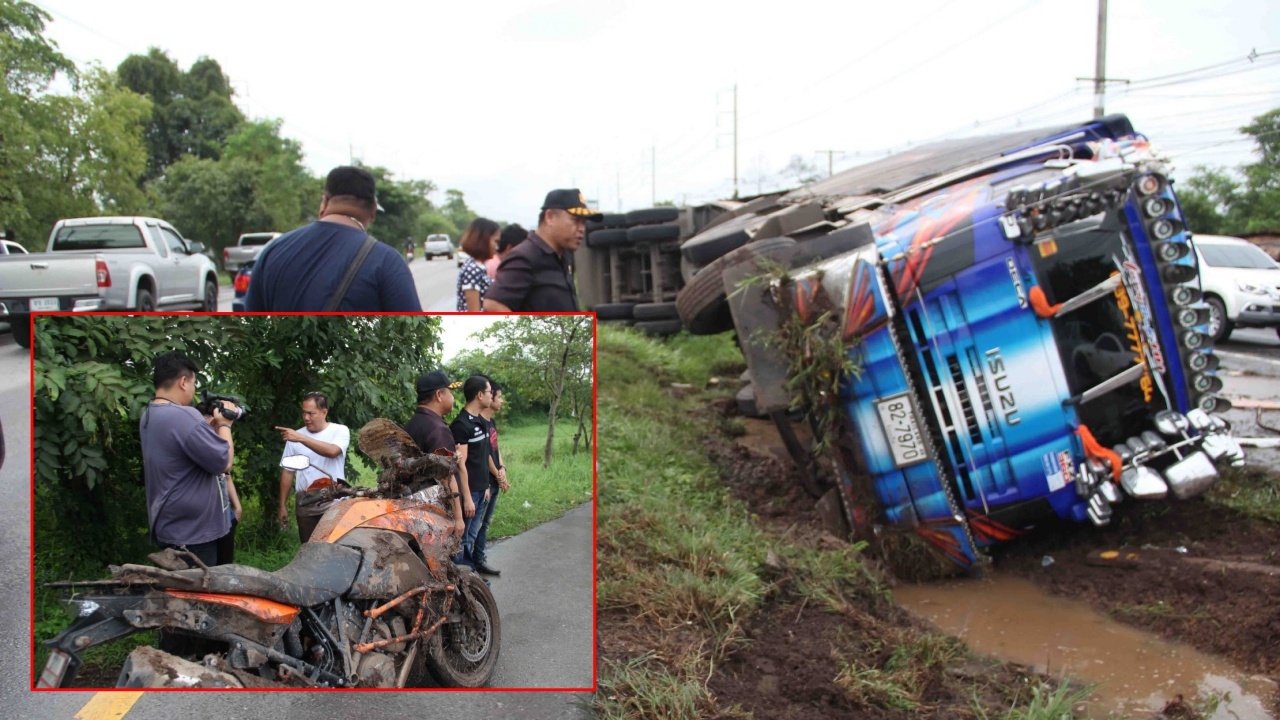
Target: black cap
(354, 181)
(571, 199)
(435, 380)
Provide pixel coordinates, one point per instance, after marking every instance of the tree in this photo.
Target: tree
(558, 349)
(801, 171)
(29, 62)
(193, 112)
(1217, 201)
(456, 210)
(92, 381)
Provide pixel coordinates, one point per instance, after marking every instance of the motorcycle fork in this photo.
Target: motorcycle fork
(81, 635)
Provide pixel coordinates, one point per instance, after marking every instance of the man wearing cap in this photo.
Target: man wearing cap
(305, 270)
(428, 429)
(535, 276)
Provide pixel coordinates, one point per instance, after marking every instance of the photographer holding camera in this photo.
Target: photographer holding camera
(184, 450)
(325, 445)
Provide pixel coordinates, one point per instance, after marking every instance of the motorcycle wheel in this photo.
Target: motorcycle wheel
(464, 654)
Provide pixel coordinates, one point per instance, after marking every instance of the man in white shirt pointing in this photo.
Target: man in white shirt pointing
(325, 445)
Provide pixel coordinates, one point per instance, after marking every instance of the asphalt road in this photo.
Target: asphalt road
(436, 281)
(545, 595)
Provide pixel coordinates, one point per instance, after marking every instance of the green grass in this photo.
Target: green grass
(1252, 490)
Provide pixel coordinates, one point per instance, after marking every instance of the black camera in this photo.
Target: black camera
(211, 403)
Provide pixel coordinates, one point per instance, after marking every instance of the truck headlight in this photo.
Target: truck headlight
(1206, 383)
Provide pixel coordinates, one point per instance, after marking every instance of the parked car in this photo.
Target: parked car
(246, 249)
(9, 247)
(107, 263)
(1241, 285)
(438, 244)
(463, 257)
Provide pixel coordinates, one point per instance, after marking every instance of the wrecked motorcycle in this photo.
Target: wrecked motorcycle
(372, 600)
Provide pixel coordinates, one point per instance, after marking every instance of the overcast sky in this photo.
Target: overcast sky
(505, 100)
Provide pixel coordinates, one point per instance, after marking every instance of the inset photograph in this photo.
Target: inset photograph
(313, 501)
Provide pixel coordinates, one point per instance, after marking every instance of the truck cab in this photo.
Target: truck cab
(1023, 337)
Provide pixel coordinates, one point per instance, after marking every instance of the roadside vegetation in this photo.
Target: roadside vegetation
(709, 610)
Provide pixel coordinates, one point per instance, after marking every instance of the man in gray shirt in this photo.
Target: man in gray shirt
(183, 452)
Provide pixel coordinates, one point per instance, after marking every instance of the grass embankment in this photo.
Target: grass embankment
(1250, 490)
(691, 583)
(537, 495)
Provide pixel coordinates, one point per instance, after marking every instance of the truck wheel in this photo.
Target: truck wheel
(656, 311)
(659, 327)
(146, 303)
(703, 304)
(20, 326)
(614, 311)
(715, 242)
(210, 295)
(652, 216)
(1219, 326)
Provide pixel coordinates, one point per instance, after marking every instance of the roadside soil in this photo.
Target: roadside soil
(1192, 572)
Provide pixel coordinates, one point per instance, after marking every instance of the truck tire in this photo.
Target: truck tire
(653, 233)
(715, 242)
(613, 237)
(703, 303)
(656, 311)
(614, 311)
(20, 326)
(659, 327)
(652, 216)
(146, 303)
(211, 295)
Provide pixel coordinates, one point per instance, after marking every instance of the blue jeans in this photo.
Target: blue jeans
(473, 527)
(481, 538)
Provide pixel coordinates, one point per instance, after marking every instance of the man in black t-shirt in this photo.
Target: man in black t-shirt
(429, 431)
(472, 430)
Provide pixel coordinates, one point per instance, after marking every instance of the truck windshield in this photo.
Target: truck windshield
(1236, 256)
(1099, 340)
(97, 237)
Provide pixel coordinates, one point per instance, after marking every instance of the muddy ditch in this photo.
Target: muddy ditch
(1192, 573)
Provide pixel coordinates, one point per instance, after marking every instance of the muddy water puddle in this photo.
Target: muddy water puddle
(1136, 672)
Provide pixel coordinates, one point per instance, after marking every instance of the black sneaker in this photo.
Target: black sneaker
(485, 569)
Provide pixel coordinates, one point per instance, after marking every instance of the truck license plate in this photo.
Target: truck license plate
(43, 304)
(902, 428)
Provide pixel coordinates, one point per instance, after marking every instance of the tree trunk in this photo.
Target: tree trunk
(551, 431)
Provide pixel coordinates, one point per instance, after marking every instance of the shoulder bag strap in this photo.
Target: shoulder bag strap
(352, 269)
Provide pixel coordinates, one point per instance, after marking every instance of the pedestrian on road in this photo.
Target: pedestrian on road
(537, 276)
(497, 482)
(430, 432)
(334, 263)
(473, 431)
(479, 242)
(183, 452)
(511, 236)
(325, 445)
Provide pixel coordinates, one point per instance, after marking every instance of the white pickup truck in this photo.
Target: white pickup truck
(438, 244)
(107, 263)
(246, 250)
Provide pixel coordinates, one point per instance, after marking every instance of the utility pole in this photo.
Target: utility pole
(619, 194)
(1100, 69)
(735, 141)
(653, 171)
(830, 160)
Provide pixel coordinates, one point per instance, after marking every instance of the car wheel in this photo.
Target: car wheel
(146, 303)
(21, 327)
(703, 304)
(1219, 326)
(211, 295)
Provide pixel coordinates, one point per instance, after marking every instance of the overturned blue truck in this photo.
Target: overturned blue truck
(1013, 324)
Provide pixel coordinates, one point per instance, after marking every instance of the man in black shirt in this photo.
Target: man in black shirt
(472, 430)
(429, 431)
(536, 275)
